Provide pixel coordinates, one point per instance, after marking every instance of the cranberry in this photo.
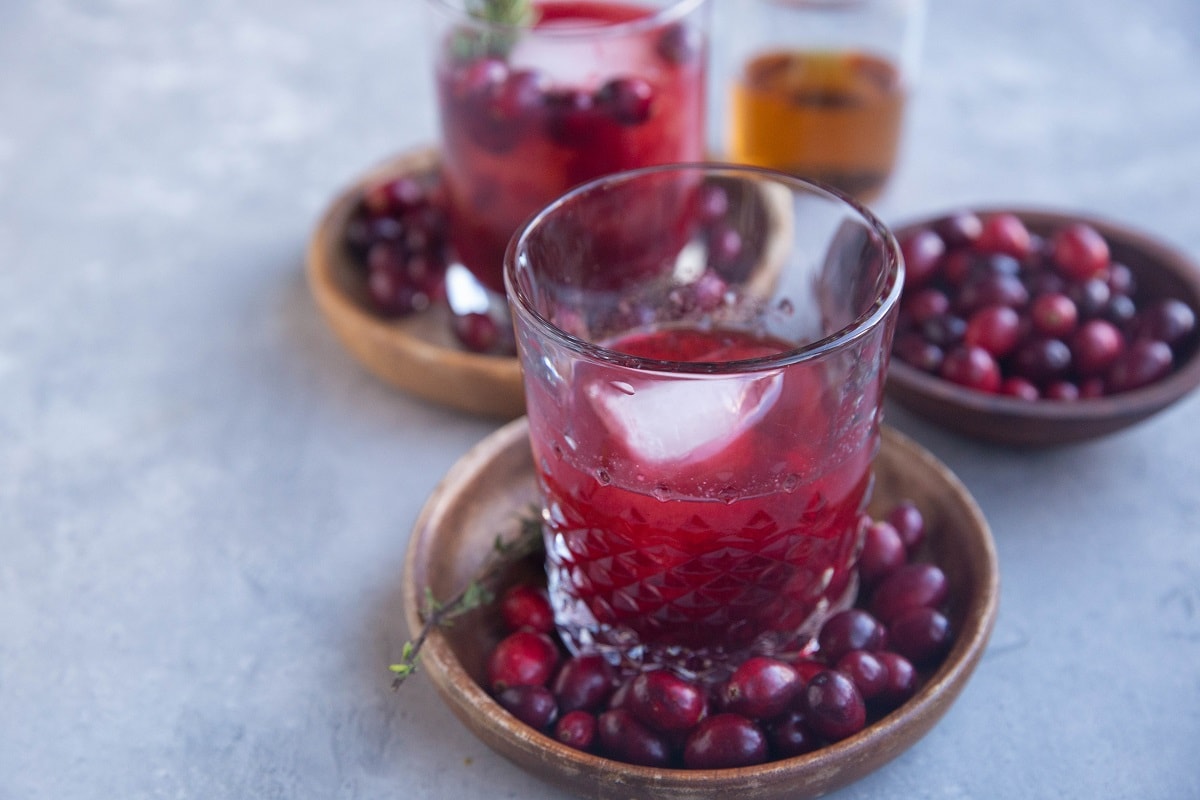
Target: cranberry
(922, 250)
(926, 304)
(1079, 251)
(1061, 391)
(959, 229)
(911, 586)
(1169, 321)
(1121, 280)
(525, 605)
(1120, 311)
(477, 332)
(808, 668)
(724, 741)
(576, 729)
(1005, 233)
(1090, 296)
(1095, 347)
(1043, 281)
(724, 245)
(713, 203)
(883, 552)
(991, 289)
(524, 658)
(852, 629)
(627, 100)
(679, 44)
(666, 702)
(533, 705)
(570, 116)
(995, 328)
(921, 635)
(1053, 314)
(1092, 387)
(1143, 362)
(901, 679)
(760, 688)
(622, 736)
(584, 682)
(789, 735)
(1041, 360)
(1020, 388)
(972, 367)
(945, 330)
(394, 197)
(912, 348)
(392, 293)
(866, 670)
(833, 707)
(909, 522)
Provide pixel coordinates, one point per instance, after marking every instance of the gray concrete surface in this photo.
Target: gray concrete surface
(204, 502)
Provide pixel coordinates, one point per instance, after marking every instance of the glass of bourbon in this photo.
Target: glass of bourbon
(818, 88)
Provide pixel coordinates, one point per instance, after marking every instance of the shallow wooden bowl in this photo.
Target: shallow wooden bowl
(417, 354)
(1160, 270)
(487, 492)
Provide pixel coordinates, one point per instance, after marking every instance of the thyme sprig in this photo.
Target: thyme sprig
(479, 592)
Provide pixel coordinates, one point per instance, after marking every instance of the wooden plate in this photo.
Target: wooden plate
(486, 493)
(1160, 271)
(417, 354)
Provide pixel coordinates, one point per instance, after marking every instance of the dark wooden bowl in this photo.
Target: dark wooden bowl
(485, 494)
(416, 354)
(1160, 271)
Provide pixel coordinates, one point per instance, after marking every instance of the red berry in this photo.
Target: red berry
(995, 328)
(911, 586)
(1062, 391)
(789, 735)
(584, 682)
(527, 606)
(1169, 321)
(972, 367)
(852, 629)
(524, 658)
(1005, 233)
(1020, 388)
(866, 670)
(833, 707)
(921, 635)
(1095, 347)
(576, 729)
(760, 688)
(909, 522)
(882, 553)
(901, 680)
(624, 738)
(533, 705)
(922, 250)
(1041, 360)
(1053, 314)
(1143, 362)
(725, 741)
(666, 702)
(959, 229)
(1079, 251)
(627, 100)
(925, 304)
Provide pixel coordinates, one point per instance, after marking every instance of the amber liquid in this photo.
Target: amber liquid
(831, 117)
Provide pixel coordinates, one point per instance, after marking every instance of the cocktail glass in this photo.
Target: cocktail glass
(579, 89)
(704, 350)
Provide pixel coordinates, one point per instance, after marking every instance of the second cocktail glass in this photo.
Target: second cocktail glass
(704, 351)
(568, 91)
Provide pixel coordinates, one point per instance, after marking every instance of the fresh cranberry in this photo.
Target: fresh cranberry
(627, 100)
(477, 332)
(833, 707)
(1095, 347)
(584, 682)
(576, 729)
(1044, 281)
(991, 289)
(925, 304)
(1079, 251)
(571, 116)
(958, 266)
(623, 737)
(1041, 360)
(525, 605)
(922, 635)
(666, 702)
(1121, 280)
(760, 688)
(1143, 362)
(1020, 388)
(911, 586)
(1120, 311)
(959, 229)
(995, 328)
(866, 670)
(901, 679)
(972, 367)
(883, 552)
(523, 658)
(1005, 233)
(393, 294)
(909, 522)
(789, 735)
(809, 668)
(1092, 387)
(1091, 296)
(945, 330)
(851, 629)
(724, 741)
(1053, 314)
(1061, 391)
(1168, 320)
(922, 250)
(533, 705)
(912, 348)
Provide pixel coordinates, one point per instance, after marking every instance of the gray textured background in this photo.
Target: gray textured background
(204, 502)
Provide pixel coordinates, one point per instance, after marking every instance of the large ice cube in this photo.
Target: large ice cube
(681, 421)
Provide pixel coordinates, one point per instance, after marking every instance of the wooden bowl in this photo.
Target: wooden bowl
(417, 354)
(1160, 271)
(486, 493)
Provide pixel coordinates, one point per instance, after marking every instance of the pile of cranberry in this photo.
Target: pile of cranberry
(869, 660)
(991, 306)
(397, 236)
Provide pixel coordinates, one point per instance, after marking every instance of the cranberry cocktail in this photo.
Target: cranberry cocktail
(704, 429)
(578, 89)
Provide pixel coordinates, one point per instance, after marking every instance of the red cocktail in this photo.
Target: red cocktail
(703, 435)
(591, 88)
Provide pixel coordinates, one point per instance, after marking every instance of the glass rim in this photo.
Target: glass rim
(671, 12)
(886, 298)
